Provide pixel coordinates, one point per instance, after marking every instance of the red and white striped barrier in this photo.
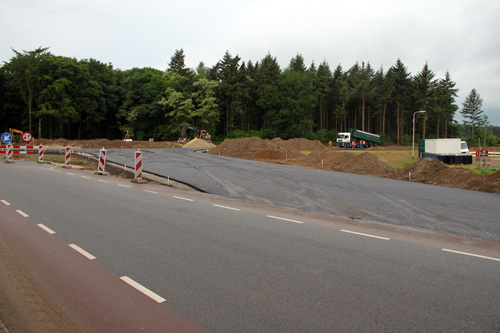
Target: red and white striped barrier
(41, 152)
(18, 149)
(138, 168)
(102, 162)
(9, 154)
(67, 163)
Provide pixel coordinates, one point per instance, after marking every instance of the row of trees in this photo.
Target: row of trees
(56, 96)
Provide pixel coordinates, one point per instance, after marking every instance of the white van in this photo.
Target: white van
(464, 148)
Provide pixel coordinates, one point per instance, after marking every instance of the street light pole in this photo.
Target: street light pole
(413, 141)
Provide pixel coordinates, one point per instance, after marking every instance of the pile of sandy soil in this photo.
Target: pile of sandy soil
(429, 171)
(198, 143)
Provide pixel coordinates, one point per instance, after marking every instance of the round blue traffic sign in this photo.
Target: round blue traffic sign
(6, 138)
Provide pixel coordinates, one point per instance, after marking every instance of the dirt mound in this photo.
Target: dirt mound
(240, 148)
(368, 164)
(198, 143)
(268, 154)
(426, 167)
(494, 176)
(248, 147)
(433, 171)
(298, 144)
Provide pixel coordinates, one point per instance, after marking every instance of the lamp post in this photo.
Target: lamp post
(413, 141)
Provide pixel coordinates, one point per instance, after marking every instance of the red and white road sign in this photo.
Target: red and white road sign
(68, 156)
(102, 161)
(40, 153)
(27, 137)
(138, 165)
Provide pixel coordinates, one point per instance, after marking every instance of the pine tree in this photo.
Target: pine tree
(446, 99)
(471, 109)
(402, 88)
(177, 64)
(424, 93)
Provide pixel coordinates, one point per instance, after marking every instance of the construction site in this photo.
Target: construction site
(313, 154)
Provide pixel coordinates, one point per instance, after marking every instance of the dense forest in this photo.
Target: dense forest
(59, 97)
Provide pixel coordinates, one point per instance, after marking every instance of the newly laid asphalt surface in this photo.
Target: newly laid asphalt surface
(359, 197)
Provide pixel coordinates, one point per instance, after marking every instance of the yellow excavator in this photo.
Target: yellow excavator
(12, 131)
(198, 134)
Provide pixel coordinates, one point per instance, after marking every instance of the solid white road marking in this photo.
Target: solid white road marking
(284, 219)
(5, 202)
(22, 213)
(471, 254)
(81, 251)
(143, 289)
(50, 231)
(183, 198)
(225, 207)
(124, 185)
(366, 235)
(150, 191)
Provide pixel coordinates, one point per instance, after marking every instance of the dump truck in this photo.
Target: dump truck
(448, 151)
(357, 139)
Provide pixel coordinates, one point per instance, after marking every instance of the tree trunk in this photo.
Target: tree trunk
(425, 123)
(399, 124)
(363, 114)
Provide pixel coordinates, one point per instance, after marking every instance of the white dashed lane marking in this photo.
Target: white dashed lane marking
(181, 198)
(20, 212)
(81, 251)
(143, 289)
(471, 254)
(284, 219)
(225, 207)
(362, 234)
(50, 231)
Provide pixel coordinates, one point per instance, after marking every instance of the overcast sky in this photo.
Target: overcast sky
(450, 35)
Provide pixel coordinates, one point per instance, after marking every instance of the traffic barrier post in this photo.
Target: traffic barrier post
(41, 152)
(138, 168)
(102, 163)
(9, 154)
(67, 163)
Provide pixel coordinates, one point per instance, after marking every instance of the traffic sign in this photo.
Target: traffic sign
(27, 137)
(6, 138)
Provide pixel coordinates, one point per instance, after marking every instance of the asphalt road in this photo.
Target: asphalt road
(226, 265)
(359, 197)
